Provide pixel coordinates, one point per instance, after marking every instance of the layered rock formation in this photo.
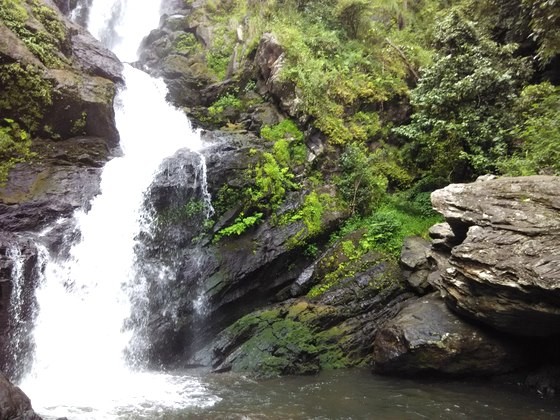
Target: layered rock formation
(495, 263)
(505, 272)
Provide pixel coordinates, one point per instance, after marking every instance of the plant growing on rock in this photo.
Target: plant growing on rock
(25, 94)
(26, 19)
(239, 226)
(15, 147)
(359, 184)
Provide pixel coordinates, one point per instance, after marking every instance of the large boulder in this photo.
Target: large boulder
(505, 269)
(427, 337)
(14, 404)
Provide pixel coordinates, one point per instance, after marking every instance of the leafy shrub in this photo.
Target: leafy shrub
(271, 183)
(241, 224)
(360, 185)
(284, 130)
(538, 134)
(15, 147)
(463, 102)
(224, 102)
(186, 43)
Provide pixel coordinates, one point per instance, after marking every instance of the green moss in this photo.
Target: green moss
(15, 147)
(186, 44)
(25, 93)
(278, 348)
(44, 43)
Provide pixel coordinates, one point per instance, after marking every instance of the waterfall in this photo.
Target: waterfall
(82, 333)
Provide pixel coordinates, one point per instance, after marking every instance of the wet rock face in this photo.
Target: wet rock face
(208, 285)
(506, 270)
(20, 272)
(65, 177)
(14, 404)
(427, 337)
(416, 264)
(303, 336)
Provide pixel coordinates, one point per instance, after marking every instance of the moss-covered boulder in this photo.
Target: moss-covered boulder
(305, 335)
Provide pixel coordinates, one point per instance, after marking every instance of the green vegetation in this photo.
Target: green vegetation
(240, 225)
(24, 96)
(25, 91)
(271, 178)
(38, 27)
(353, 65)
(361, 186)
(186, 44)
(363, 242)
(224, 102)
(538, 135)
(400, 216)
(463, 102)
(15, 147)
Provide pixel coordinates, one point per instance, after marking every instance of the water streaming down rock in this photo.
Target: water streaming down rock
(27, 260)
(83, 330)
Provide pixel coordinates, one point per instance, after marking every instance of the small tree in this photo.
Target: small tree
(462, 105)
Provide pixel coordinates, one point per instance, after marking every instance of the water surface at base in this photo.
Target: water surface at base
(352, 395)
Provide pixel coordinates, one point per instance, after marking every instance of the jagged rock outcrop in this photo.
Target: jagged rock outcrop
(14, 404)
(181, 52)
(213, 283)
(64, 177)
(176, 52)
(269, 60)
(427, 337)
(505, 269)
(415, 263)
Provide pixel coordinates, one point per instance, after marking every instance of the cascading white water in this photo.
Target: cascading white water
(79, 367)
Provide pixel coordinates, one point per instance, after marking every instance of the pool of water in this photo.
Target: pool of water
(353, 394)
